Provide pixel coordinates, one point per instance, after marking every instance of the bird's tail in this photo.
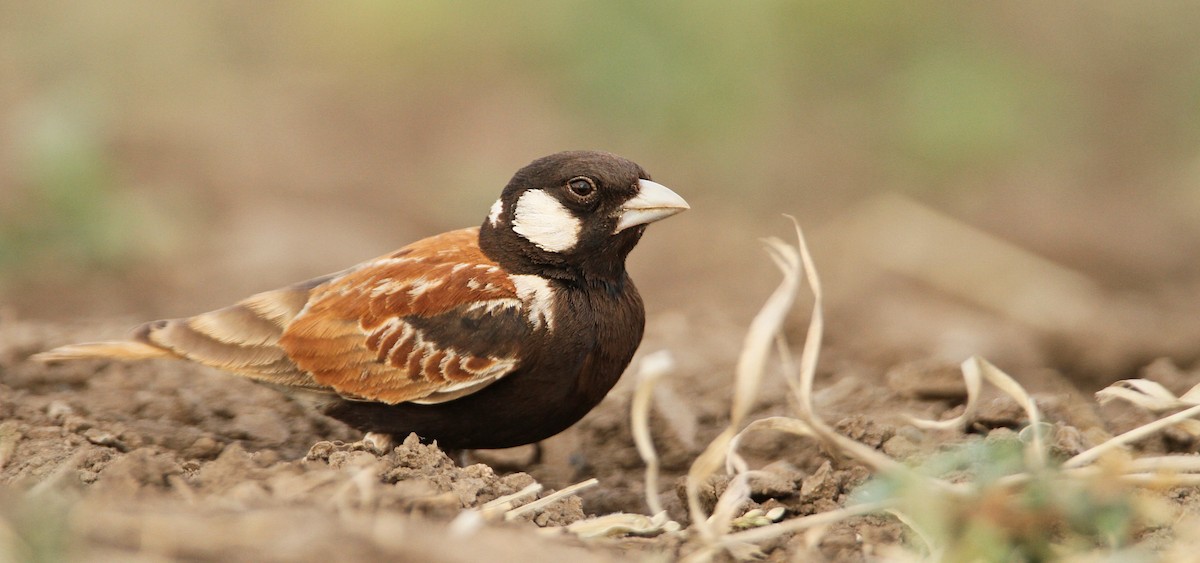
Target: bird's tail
(243, 339)
(111, 350)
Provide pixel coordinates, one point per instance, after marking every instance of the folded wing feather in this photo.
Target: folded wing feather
(428, 323)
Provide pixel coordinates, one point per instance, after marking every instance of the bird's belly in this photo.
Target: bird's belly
(484, 420)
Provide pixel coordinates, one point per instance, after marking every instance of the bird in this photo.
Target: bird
(486, 337)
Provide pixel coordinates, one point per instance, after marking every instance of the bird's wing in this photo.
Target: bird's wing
(431, 322)
(428, 323)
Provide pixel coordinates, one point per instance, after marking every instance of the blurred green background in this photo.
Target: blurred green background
(159, 158)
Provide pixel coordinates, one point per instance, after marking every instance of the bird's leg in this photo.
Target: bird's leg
(460, 457)
(378, 443)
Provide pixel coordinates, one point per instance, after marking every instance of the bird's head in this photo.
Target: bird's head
(575, 213)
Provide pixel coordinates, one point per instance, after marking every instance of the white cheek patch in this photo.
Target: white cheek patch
(544, 221)
(497, 209)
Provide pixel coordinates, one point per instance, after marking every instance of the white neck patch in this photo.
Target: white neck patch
(543, 220)
(497, 209)
(538, 296)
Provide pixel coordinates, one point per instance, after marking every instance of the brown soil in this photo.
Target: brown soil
(168, 460)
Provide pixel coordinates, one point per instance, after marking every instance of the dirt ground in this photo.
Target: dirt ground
(972, 180)
(166, 461)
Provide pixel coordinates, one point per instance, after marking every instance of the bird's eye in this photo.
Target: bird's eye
(581, 186)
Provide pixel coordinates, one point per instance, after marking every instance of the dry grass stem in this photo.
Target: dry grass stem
(1132, 436)
(1148, 394)
(816, 329)
(765, 330)
(1161, 479)
(549, 499)
(621, 523)
(1192, 397)
(1153, 476)
(501, 505)
(706, 464)
(806, 522)
(1185, 463)
(1036, 453)
(751, 366)
(653, 367)
(729, 504)
(856, 450)
(756, 347)
(716, 530)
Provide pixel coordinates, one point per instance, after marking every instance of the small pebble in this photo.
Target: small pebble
(58, 410)
(102, 438)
